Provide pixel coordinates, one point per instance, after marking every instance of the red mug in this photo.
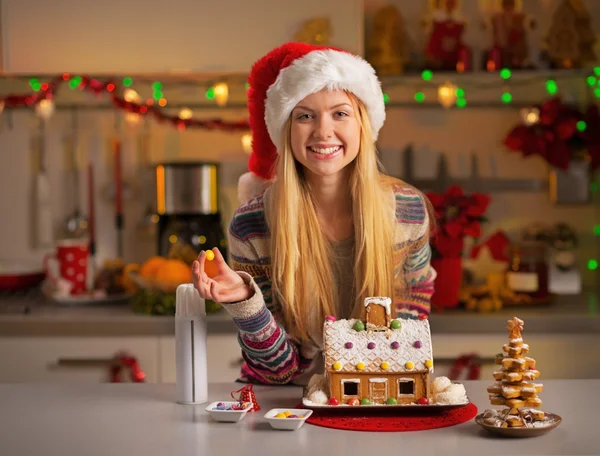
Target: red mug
(69, 263)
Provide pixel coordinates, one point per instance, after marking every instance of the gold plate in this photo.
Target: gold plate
(550, 422)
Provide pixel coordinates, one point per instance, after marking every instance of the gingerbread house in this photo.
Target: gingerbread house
(380, 360)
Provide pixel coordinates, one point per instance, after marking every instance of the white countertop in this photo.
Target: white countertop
(142, 419)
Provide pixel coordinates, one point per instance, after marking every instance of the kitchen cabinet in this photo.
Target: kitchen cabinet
(72, 359)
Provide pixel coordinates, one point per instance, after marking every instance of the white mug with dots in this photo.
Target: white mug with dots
(69, 264)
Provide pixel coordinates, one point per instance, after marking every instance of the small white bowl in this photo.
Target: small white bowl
(227, 416)
(288, 424)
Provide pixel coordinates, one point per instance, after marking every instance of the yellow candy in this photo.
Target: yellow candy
(287, 414)
(429, 363)
(385, 366)
(409, 365)
(337, 366)
(210, 255)
(360, 366)
(280, 415)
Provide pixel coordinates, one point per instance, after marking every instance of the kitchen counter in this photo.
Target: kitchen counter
(136, 419)
(37, 316)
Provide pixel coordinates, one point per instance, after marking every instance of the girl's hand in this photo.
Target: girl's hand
(225, 285)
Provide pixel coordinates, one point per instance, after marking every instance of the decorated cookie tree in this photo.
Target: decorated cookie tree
(514, 387)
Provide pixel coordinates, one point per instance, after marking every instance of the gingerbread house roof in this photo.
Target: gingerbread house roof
(406, 349)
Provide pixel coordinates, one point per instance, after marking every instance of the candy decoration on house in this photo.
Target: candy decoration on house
(246, 394)
(458, 215)
(571, 38)
(388, 47)
(515, 388)
(445, 49)
(42, 100)
(563, 134)
(509, 26)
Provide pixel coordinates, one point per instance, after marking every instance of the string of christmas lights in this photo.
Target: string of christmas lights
(42, 99)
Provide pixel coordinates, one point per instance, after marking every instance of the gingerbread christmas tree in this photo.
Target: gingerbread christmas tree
(515, 386)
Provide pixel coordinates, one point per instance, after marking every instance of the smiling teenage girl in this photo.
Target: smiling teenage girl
(330, 229)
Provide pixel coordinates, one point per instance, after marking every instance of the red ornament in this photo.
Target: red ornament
(247, 395)
(422, 317)
(333, 401)
(353, 401)
(423, 401)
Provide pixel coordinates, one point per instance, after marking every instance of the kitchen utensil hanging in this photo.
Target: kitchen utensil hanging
(75, 224)
(43, 235)
(147, 223)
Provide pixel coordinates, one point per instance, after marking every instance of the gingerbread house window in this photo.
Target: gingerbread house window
(406, 387)
(350, 387)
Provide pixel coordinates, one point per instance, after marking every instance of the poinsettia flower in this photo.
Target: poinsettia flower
(478, 205)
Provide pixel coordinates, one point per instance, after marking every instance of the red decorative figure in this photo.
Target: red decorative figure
(445, 49)
(247, 395)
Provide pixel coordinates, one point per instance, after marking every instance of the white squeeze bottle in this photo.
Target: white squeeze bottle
(190, 346)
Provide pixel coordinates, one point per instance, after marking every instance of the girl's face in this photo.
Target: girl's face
(325, 132)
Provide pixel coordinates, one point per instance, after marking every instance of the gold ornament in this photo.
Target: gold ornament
(315, 31)
(387, 47)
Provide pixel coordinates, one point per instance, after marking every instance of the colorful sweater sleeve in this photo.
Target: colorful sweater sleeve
(270, 357)
(418, 274)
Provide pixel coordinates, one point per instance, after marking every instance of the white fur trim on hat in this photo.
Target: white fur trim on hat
(250, 185)
(317, 70)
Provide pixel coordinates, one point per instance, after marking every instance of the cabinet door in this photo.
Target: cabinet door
(559, 356)
(73, 359)
(223, 357)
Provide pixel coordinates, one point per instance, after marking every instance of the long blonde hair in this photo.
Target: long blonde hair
(301, 273)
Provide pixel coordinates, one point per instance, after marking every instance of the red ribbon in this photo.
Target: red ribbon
(465, 362)
(123, 360)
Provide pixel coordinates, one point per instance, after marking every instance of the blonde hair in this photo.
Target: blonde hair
(300, 254)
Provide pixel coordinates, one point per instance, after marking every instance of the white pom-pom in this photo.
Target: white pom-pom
(441, 384)
(456, 394)
(318, 397)
(250, 185)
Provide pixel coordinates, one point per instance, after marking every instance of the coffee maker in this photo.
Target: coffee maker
(187, 202)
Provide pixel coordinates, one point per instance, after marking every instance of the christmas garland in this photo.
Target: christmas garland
(98, 87)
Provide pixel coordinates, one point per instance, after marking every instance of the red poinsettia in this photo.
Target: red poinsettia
(457, 215)
(562, 132)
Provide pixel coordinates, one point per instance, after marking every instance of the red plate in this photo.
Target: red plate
(18, 275)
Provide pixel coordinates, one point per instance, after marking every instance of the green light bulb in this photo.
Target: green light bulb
(505, 73)
(157, 86)
(419, 97)
(210, 93)
(427, 75)
(127, 82)
(592, 265)
(506, 97)
(386, 98)
(581, 126)
(460, 93)
(461, 102)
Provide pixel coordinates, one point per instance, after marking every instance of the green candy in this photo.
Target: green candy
(395, 324)
(359, 326)
(365, 401)
(391, 401)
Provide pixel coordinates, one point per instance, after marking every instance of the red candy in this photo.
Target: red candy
(333, 401)
(423, 401)
(353, 401)
(422, 316)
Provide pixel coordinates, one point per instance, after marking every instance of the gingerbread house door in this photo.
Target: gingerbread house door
(378, 390)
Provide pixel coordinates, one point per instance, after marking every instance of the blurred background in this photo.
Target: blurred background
(123, 132)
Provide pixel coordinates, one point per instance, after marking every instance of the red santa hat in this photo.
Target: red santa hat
(281, 79)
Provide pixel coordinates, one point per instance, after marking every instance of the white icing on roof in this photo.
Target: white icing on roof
(337, 333)
(382, 301)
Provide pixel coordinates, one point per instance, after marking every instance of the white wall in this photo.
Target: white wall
(115, 36)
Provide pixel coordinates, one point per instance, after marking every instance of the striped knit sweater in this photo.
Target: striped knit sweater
(269, 355)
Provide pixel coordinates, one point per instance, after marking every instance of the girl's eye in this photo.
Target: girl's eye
(304, 116)
(341, 114)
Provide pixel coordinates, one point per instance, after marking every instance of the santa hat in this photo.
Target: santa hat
(285, 76)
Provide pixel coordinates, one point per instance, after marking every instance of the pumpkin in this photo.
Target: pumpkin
(173, 272)
(151, 266)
